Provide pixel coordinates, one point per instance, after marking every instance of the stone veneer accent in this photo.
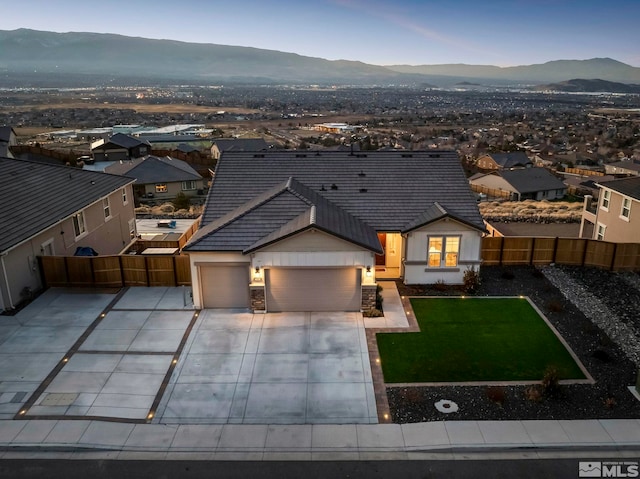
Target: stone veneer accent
(368, 296)
(257, 298)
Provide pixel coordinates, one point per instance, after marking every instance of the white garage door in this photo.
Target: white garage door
(225, 286)
(313, 289)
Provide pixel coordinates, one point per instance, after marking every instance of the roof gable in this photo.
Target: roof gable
(56, 193)
(511, 159)
(154, 169)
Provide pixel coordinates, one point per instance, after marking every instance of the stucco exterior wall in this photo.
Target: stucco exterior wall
(417, 270)
(618, 229)
(106, 236)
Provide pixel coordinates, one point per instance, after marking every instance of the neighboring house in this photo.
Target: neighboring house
(504, 161)
(303, 231)
(119, 147)
(220, 145)
(52, 210)
(521, 184)
(7, 140)
(615, 216)
(159, 177)
(625, 167)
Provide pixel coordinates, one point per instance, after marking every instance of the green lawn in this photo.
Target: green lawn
(474, 339)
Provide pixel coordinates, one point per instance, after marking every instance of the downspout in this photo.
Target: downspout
(6, 281)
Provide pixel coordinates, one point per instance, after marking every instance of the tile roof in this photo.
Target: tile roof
(626, 186)
(44, 194)
(282, 211)
(124, 141)
(510, 160)
(386, 190)
(154, 169)
(240, 144)
(532, 179)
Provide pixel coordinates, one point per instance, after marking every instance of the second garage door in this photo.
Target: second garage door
(225, 286)
(313, 289)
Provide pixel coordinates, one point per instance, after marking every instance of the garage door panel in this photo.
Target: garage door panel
(313, 289)
(225, 286)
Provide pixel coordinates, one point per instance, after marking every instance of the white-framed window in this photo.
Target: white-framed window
(106, 206)
(79, 226)
(125, 200)
(606, 199)
(600, 232)
(188, 185)
(161, 188)
(132, 228)
(625, 212)
(443, 251)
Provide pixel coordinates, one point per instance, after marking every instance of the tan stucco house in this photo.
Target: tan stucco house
(615, 215)
(65, 208)
(304, 231)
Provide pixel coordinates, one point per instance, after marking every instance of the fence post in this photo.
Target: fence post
(555, 250)
(175, 271)
(584, 253)
(613, 256)
(533, 248)
(501, 248)
(121, 271)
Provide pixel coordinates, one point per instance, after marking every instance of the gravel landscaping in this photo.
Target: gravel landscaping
(596, 312)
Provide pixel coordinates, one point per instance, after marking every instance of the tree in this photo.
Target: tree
(181, 201)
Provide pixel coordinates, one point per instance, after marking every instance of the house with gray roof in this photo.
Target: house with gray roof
(313, 231)
(65, 208)
(220, 145)
(504, 161)
(159, 177)
(119, 147)
(520, 184)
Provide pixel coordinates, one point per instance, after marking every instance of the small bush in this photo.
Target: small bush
(555, 306)
(533, 394)
(610, 402)
(508, 274)
(471, 281)
(496, 394)
(440, 285)
(181, 201)
(551, 381)
(379, 298)
(167, 208)
(372, 313)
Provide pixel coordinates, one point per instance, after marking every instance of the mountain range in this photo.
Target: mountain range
(31, 53)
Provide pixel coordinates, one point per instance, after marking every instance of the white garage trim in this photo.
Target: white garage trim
(224, 285)
(313, 289)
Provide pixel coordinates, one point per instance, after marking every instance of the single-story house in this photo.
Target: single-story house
(520, 184)
(159, 177)
(220, 145)
(65, 208)
(624, 167)
(504, 161)
(119, 147)
(302, 231)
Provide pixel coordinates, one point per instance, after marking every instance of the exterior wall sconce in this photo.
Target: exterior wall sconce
(257, 275)
(368, 272)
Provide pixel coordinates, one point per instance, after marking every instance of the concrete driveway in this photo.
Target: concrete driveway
(122, 356)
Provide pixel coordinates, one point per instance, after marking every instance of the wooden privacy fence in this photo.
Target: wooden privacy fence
(512, 251)
(116, 271)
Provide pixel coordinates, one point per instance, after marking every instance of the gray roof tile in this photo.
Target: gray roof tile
(154, 169)
(37, 195)
(532, 179)
(627, 186)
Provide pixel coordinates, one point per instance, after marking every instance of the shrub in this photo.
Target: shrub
(440, 285)
(555, 306)
(372, 313)
(610, 402)
(471, 281)
(533, 394)
(167, 208)
(508, 274)
(551, 381)
(181, 201)
(379, 298)
(496, 394)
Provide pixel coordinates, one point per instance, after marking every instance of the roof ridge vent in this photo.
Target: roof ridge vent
(362, 173)
(322, 188)
(334, 186)
(312, 218)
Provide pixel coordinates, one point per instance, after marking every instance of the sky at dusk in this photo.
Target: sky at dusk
(381, 32)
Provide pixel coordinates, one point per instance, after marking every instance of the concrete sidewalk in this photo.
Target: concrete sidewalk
(66, 439)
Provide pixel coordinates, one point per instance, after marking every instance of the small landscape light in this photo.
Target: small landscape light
(23, 412)
(102, 315)
(175, 361)
(378, 360)
(386, 416)
(65, 360)
(150, 415)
